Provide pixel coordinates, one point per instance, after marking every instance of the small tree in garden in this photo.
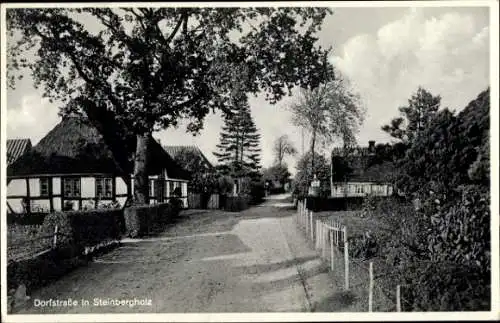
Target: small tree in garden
(133, 71)
(329, 111)
(321, 169)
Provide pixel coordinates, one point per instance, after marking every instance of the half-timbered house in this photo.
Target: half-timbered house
(72, 168)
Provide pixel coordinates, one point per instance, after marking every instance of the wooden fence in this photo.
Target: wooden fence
(330, 239)
(195, 201)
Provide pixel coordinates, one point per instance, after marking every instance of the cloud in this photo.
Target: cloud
(446, 54)
(32, 118)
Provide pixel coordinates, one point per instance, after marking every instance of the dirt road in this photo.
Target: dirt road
(211, 261)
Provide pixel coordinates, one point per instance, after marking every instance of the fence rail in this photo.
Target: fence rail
(330, 239)
(53, 241)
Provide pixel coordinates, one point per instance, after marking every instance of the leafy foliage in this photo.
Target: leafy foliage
(328, 112)
(276, 173)
(415, 116)
(321, 169)
(144, 69)
(203, 178)
(442, 249)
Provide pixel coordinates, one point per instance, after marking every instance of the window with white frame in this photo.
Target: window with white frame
(104, 187)
(44, 187)
(72, 187)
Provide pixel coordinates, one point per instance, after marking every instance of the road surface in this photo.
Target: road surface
(211, 261)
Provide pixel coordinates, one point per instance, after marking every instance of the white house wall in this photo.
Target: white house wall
(56, 186)
(17, 187)
(16, 204)
(56, 203)
(121, 186)
(34, 187)
(87, 187)
(366, 188)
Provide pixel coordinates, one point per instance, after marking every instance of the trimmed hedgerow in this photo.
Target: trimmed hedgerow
(80, 229)
(146, 219)
(236, 203)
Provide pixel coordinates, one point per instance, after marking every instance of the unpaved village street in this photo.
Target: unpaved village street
(210, 261)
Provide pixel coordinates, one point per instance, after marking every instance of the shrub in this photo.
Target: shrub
(364, 246)
(26, 218)
(145, 219)
(445, 286)
(236, 203)
(38, 271)
(77, 229)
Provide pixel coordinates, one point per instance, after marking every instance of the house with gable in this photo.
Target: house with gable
(355, 173)
(73, 168)
(174, 151)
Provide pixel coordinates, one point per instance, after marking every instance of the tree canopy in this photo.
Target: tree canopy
(416, 116)
(146, 68)
(330, 111)
(304, 173)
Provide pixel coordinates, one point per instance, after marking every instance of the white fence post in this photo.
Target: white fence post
(331, 250)
(346, 264)
(56, 229)
(370, 290)
(325, 239)
(398, 298)
(312, 230)
(316, 237)
(306, 218)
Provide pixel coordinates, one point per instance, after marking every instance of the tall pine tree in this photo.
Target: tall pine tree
(238, 150)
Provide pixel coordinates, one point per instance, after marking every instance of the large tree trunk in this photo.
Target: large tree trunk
(141, 180)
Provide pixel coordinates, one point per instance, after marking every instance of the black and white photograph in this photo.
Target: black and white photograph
(247, 161)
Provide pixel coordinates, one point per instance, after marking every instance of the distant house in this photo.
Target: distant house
(174, 151)
(16, 148)
(365, 177)
(72, 166)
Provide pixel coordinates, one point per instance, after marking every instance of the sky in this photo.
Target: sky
(386, 53)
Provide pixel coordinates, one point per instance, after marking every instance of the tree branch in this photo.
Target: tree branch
(176, 28)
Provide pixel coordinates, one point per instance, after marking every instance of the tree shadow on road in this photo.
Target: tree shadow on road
(277, 284)
(265, 268)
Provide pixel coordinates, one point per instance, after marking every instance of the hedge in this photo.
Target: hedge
(25, 218)
(80, 229)
(235, 203)
(40, 270)
(146, 219)
(318, 204)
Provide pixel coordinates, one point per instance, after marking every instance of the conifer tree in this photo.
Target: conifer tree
(238, 150)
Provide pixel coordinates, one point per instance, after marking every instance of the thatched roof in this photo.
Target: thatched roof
(16, 148)
(364, 165)
(75, 147)
(175, 150)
